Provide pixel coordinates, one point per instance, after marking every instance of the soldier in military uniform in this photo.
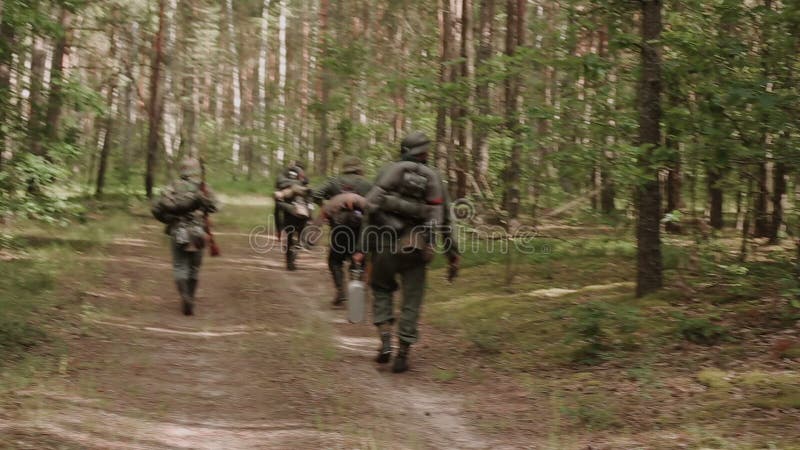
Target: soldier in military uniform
(343, 211)
(292, 210)
(182, 206)
(410, 201)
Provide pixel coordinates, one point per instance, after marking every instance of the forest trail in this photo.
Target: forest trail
(265, 363)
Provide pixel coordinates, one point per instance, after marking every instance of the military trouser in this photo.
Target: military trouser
(185, 265)
(387, 263)
(343, 242)
(293, 228)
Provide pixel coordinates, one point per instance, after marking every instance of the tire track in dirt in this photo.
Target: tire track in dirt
(264, 364)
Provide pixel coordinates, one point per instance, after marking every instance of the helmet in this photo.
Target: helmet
(351, 164)
(414, 144)
(189, 168)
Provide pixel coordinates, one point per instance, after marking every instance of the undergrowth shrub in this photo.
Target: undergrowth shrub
(602, 328)
(701, 330)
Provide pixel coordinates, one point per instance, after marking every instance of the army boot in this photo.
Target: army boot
(385, 352)
(186, 299)
(401, 360)
(340, 297)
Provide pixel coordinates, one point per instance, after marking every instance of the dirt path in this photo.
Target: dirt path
(265, 363)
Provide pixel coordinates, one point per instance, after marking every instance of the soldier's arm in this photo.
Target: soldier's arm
(364, 187)
(324, 193)
(209, 200)
(362, 243)
(362, 246)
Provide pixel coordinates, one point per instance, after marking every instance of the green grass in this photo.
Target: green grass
(569, 317)
(242, 217)
(42, 274)
(258, 185)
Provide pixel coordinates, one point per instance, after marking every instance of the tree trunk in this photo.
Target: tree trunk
(748, 212)
(760, 209)
(236, 85)
(399, 97)
(7, 41)
(674, 191)
(107, 140)
(465, 105)
(109, 121)
(282, 70)
(607, 189)
(189, 114)
(455, 100)
(305, 87)
(648, 230)
(56, 100)
(716, 197)
(155, 108)
(779, 189)
(262, 59)
(480, 154)
(515, 25)
(761, 217)
(171, 90)
(673, 187)
(35, 128)
(261, 89)
(323, 87)
(130, 115)
(445, 38)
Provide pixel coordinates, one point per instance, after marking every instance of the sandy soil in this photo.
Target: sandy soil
(265, 363)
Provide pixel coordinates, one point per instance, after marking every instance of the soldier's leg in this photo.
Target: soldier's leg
(336, 266)
(195, 261)
(180, 270)
(413, 278)
(290, 248)
(337, 254)
(383, 285)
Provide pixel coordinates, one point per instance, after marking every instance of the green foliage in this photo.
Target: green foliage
(701, 330)
(29, 188)
(602, 328)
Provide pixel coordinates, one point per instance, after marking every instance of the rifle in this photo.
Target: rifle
(213, 248)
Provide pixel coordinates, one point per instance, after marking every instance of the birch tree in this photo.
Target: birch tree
(236, 87)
